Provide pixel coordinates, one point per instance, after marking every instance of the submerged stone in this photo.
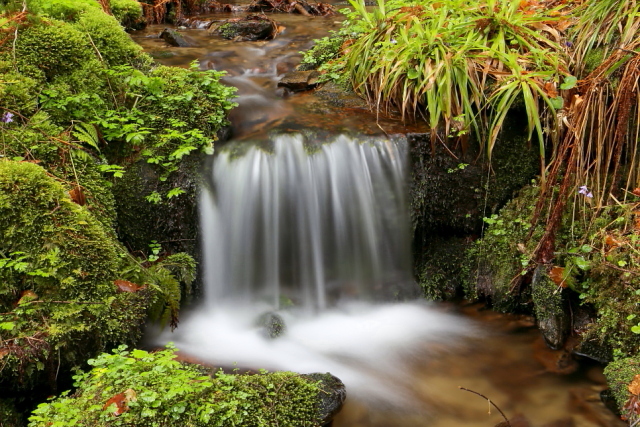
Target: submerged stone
(174, 38)
(298, 81)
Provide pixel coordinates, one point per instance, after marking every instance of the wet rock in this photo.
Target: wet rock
(174, 38)
(249, 28)
(339, 97)
(299, 81)
(552, 318)
(272, 325)
(331, 395)
(609, 401)
(594, 350)
(194, 23)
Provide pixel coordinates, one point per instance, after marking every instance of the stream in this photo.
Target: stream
(403, 363)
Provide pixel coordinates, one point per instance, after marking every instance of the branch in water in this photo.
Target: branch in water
(488, 400)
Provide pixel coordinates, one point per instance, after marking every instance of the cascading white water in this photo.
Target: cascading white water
(313, 229)
(325, 229)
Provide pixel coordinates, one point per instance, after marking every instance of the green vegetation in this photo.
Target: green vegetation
(137, 388)
(80, 104)
(620, 374)
(60, 270)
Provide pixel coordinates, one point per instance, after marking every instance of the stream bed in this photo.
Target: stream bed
(507, 362)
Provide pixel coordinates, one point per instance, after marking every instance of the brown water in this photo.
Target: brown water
(255, 68)
(510, 365)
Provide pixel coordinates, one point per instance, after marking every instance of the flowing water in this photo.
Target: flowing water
(313, 231)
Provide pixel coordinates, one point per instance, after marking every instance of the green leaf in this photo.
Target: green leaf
(557, 102)
(139, 354)
(586, 248)
(413, 73)
(7, 326)
(582, 263)
(175, 192)
(635, 329)
(569, 83)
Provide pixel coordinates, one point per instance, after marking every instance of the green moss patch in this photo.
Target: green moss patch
(138, 388)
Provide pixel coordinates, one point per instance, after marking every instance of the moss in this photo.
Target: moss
(51, 48)
(440, 270)
(593, 59)
(17, 92)
(619, 374)
(498, 259)
(115, 46)
(161, 391)
(62, 9)
(128, 13)
(55, 250)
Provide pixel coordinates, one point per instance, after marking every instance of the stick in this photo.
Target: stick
(488, 400)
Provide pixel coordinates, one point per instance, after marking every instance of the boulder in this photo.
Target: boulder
(330, 397)
(299, 81)
(174, 38)
(249, 28)
(273, 325)
(552, 319)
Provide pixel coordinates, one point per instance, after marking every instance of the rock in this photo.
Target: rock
(331, 395)
(249, 28)
(551, 316)
(595, 350)
(174, 38)
(609, 401)
(273, 325)
(299, 81)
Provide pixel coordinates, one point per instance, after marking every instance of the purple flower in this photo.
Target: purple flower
(584, 190)
(7, 117)
(568, 44)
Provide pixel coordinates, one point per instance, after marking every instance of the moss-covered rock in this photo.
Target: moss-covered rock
(620, 374)
(58, 267)
(128, 13)
(155, 389)
(51, 48)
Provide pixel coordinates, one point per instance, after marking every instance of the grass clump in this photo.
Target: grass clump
(456, 60)
(143, 388)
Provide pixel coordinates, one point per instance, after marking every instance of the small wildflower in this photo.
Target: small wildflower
(584, 190)
(568, 44)
(394, 41)
(7, 117)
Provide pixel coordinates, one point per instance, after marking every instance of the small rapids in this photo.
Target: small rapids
(319, 235)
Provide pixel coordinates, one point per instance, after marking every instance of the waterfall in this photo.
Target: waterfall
(319, 234)
(307, 225)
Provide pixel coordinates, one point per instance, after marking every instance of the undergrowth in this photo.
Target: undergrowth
(138, 388)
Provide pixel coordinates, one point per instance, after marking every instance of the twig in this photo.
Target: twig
(488, 400)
